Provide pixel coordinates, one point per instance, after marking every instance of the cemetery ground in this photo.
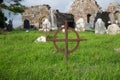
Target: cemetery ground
(23, 59)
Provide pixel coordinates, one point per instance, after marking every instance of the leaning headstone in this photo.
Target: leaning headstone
(113, 29)
(80, 25)
(40, 39)
(100, 27)
(46, 25)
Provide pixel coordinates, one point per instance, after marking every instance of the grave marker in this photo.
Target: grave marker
(66, 40)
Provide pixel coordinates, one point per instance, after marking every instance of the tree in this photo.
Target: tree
(2, 19)
(16, 7)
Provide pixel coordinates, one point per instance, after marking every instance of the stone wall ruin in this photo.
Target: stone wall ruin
(89, 10)
(37, 14)
(114, 9)
(85, 9)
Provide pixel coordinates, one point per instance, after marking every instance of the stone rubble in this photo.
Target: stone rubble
(117, 49)
(40, 39)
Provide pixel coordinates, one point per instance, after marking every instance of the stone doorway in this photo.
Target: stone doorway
(88, 18)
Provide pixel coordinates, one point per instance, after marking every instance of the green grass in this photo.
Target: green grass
(22, 59)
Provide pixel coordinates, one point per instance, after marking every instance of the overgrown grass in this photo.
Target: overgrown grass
(22, 59)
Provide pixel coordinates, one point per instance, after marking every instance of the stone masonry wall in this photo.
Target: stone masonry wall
(84, 9)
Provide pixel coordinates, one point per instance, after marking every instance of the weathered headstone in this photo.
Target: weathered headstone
(80, 25)
(100, 27)
(46, 25)
(113, 29)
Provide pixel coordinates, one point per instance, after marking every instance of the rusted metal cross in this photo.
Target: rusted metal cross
(66, 51)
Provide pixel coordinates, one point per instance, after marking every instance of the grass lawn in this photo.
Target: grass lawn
(23, 59)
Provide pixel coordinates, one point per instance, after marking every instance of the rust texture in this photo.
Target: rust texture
(66, 40)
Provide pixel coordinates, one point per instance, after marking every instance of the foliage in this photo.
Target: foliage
(23, 59)
(16, 8)
(1, 1)
(2, 19)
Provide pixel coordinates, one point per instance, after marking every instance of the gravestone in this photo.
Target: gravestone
(113, 29)
(66, 50)
(46, 25)
(26, 24)
(80, 25)
(100, 27)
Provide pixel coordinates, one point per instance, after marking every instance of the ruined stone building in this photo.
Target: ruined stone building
(85, 9)
(88, 10)
(114, 9)
(37, 14)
